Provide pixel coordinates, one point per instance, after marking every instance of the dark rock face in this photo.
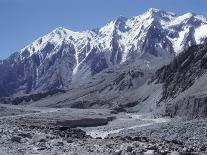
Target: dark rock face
(32, 97)
(98, 64)
(124, 80)
(87, 122)
(28, 75)
(178, 78)
(191, 108)
(182, 72)
(156, 35)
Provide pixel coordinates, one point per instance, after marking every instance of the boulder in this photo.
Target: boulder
(16, 139)
(175, 153)
(149, 152)
(39, 138)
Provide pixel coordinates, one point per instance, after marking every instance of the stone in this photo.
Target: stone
(129, 148)
(60, 143)
(185, 149)
(117, 152)
(42, 148)
(25, 135)
(203, 148)
(39, 138)
(16, 139)
(69, 141)
(149, 152)
(175, 153)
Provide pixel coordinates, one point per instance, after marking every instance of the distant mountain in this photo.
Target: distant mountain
(63, 58)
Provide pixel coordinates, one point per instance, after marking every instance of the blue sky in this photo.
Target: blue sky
(23, 21)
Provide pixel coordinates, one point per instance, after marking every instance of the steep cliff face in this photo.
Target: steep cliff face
(182, 72)
(184, 85)
(64, 57)
(189, 107)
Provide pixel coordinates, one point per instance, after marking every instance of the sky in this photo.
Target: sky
(23, 21)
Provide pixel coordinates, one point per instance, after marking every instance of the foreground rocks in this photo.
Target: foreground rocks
(73, 141)
(39, 133)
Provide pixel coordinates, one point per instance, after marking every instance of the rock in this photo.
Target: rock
(175, 153)
(177, 142)
(70, 132)
(82, 122)
(42, 148)
(203, 148)
(42, 140)
(60, 143)
(118, 109)
(16, 139)
(69, 141)
(152, 147)
(117, 152)
(113, 112)
(185, 149)
(25, 135)
(134, 152)
(149, 152)
(136, 138)
(145, 139)
(39, 138)
(129, 148)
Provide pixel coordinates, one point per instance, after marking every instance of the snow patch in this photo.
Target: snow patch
(201, 34)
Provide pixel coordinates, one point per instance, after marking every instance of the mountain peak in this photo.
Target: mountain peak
(156, 12)
(153, 10)
(121, 18)
(61, 30)
(188, 15)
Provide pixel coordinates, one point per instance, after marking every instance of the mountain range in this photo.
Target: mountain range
(63, 57)
(152, 62)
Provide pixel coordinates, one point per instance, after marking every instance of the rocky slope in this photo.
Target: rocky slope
(64, 57)
(184, 86)
(115, 88)
(182, 72)
(176, 89)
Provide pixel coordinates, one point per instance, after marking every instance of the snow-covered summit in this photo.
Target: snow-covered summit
(130, 33)
(64, 56)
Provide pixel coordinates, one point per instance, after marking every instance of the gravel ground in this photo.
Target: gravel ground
(125, 134)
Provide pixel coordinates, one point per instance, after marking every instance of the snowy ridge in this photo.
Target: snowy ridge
(131, 33)
(64, 56)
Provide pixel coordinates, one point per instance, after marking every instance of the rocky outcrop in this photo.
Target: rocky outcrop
(183, 83)
(84, 122)
(193, 107)
(29, 98)
(182, 72)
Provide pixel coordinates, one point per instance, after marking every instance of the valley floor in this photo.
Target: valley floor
(49, 131)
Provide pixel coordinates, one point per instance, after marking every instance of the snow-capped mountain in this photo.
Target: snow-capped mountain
(63, 57)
